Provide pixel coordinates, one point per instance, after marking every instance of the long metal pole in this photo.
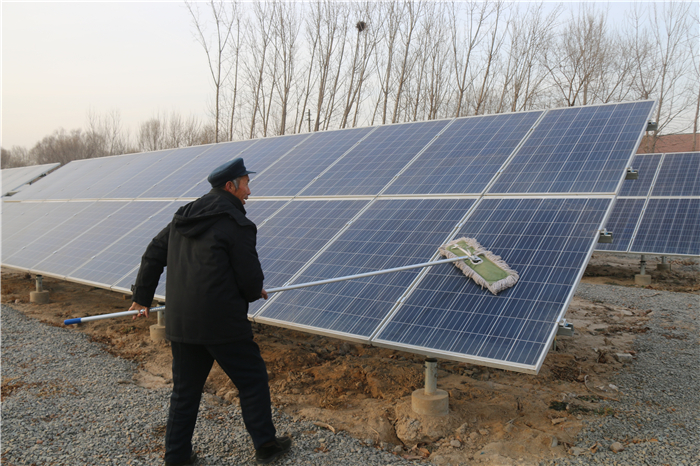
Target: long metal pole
(80, 320)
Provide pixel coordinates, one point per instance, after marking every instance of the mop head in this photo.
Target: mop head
(492, 273)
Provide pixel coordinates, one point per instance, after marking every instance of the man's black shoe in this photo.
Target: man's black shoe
(189, 462)
(273, 450)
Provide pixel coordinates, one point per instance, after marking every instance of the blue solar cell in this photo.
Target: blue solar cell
(390, 233)
(16, 216)
(122, 168)
(60, 224)
(547, 241)
(466, 156)
(679, 175)
(257, 157)
(622, 223)
(302, 164)
(367, 168)
(669, 226)
(122, 255)
(46, 216)
(101, 169)
(186, 167)
(87, 243)
(646, 165)
(73, 172)
(14, 179)
(295, 234)
(577, 150)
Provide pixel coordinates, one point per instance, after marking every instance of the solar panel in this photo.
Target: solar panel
(17, 216)
(664, 221)
(547, 241)
(295, 234)
(646, 166)
(390, 233)
(72, 172)
(576, 150)
(96, 237)
(13, 179)
(120, 257)
(376, 160)
(349, 201)
(622, 223)
(57, 226)
(679, 175)
(669, 226)
(303, 163)
(466, 156)
(185, 169)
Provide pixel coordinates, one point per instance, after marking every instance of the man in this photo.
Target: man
(213, 273)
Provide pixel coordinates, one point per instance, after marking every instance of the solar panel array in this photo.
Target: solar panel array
(533, 187)
(14, 179)
(658, 213)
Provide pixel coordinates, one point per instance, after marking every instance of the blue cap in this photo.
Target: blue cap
(228, 172)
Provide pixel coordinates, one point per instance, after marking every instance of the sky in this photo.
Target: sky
(62, 60)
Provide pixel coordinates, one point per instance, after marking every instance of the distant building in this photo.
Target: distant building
(671, 143)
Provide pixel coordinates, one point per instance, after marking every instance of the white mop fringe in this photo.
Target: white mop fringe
(495, 287)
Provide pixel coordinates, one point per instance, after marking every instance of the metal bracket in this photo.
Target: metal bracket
(565, 328)
(631, 174)
(652, 126)
(605, 236)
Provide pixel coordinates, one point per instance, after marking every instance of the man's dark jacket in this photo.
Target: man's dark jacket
(213, 271)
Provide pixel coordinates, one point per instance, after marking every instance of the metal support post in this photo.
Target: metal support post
(39, 296)
(430, 376)
(642, 278)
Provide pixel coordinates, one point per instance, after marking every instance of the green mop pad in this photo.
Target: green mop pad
(492, 272)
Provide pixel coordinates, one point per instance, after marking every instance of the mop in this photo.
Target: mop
(488, 271)
(481, 265)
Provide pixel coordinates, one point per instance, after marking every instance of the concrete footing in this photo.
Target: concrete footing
(157, 332)
(663, 267)
(39, 297)
(643, 280)
(436, 404)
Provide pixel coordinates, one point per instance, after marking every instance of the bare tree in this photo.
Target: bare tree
(579, 55)
(324, 21)
(219, 65)
(529, 36)
(412, 11)
(18, 156)
(151, 135)
(467, 21)
(285, 30)
(494, 46)
(393, 16)
(694, 81)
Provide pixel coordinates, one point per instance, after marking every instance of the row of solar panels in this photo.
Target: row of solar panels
(574, 150)
(659, 213)
(14, 179)
(533, 187)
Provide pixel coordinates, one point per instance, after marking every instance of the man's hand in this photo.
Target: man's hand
(143, 310)
(263, 294)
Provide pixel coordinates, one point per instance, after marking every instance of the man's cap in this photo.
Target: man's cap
(228, 172)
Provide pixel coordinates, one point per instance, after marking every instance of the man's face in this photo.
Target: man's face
(243, 190)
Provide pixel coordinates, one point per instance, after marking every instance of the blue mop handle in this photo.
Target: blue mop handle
(80, 320)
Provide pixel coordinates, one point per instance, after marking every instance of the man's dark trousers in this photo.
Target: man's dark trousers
(242, 362)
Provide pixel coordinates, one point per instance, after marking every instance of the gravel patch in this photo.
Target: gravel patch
(657, 418)
(67, 401)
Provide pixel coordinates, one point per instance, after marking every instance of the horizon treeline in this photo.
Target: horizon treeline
(281, 67)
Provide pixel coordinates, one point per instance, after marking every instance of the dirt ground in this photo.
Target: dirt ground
(496, 417)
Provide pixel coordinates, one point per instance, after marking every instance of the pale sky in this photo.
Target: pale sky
(63, 59)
